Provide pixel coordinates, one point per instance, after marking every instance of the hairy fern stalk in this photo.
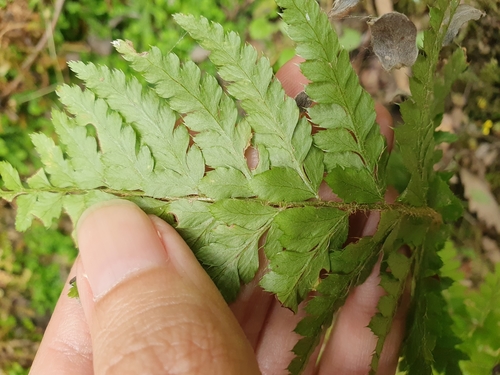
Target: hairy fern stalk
(142, 152)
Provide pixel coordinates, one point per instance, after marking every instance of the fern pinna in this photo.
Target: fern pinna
(194, 174)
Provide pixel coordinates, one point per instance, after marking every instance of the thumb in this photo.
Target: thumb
(150, 307)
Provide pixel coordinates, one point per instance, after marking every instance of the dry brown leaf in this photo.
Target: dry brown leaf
(490, 247)
(487, 153)
(394, 40)
(464, 14)
(342, 6)
(481, 200)
(303, 101)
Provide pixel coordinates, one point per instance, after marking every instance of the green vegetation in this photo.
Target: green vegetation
(475, 313)
(33, 269)
(447, 324)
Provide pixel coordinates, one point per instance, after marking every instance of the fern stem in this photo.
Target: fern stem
(405, 209)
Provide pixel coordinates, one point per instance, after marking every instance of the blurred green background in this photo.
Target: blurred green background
(38, 37)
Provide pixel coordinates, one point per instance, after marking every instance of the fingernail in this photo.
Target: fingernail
(116, 240)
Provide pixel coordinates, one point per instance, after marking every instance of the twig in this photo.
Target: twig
(53, 54)
(383, 6)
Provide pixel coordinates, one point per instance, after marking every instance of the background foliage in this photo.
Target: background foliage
(33, 267)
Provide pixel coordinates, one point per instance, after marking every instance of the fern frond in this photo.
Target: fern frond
(11, 180)
(153, 120)
(82, 151)
(419, 113)
(355, 150)
(430, 345)
(307, 236)
(232, 253)
(206, 108)
(124, 167)
(273, 116)
(349, 267)
(395, 270)
(475, 314)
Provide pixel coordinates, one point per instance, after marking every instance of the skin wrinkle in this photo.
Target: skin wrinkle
(209, 293)
(74, 354)
(133, 311)
(217, 355)
(66, 333)
(189, 340)
(182, 362)
(65, 344)
(181, 347)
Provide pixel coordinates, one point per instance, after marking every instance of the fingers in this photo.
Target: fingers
(385, 122)
(150, 306)
(291, 78)
(351, 326)
(252, 307)
(66, 345)
(274, 352)
(351, 344)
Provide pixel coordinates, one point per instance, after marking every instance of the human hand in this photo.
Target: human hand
(147, 307)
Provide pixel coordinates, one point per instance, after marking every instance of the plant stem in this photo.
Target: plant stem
(407, 210)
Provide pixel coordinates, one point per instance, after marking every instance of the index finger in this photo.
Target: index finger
(66, 345)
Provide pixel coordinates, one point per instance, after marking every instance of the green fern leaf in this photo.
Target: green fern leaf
(208, 110)
(60, 171)
(273, 117)
(153, 120)
(394, 272)
(421, 111)
(430, 342)
(124, 168)
(475, 315)
(88, 169)
(350, 267)
(11, 181)
(355, 150)
(45, 206)
(232, 254)
(194, 222)
(308, 234)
